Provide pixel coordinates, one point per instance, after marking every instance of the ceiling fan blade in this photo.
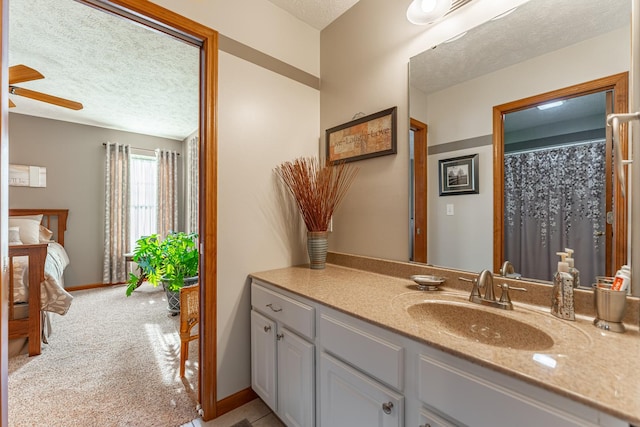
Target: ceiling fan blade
(39, 96)
(11, 104)
(22, 73)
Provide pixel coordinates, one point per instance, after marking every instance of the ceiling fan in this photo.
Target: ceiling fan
(22, 73)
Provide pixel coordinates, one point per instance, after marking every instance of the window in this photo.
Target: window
(143, 197)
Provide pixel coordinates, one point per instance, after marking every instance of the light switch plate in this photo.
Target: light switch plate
(449, 209)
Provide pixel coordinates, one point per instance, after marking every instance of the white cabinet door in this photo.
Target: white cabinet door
(263, 358)
(296, 385)
(350, 398)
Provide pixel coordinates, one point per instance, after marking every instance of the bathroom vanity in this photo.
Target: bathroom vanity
(347, 347)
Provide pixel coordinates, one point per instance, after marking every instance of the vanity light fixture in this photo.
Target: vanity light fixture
(548, 105)
(422, 12)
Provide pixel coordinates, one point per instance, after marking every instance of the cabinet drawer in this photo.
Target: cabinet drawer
(445, 387)
(296, 315)
(372, 354)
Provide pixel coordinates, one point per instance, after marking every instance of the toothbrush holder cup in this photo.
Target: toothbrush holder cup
(610, 307)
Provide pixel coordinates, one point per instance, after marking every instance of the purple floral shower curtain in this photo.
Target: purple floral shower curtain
(555, 199)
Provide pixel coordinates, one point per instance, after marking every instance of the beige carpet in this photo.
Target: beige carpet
(110, 361)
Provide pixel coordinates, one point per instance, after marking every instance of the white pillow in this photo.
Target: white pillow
(33, 217)
(29, 228)
(45, 234)
(14, 236)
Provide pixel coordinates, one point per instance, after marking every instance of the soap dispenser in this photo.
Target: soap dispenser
(562, 296)
(575, 273)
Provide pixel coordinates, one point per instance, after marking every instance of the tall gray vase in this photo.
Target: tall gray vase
(317, 247)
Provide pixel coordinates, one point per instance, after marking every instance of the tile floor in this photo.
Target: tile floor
(255, 411)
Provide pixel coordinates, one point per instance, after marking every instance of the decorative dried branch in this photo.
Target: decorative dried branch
(317, 187)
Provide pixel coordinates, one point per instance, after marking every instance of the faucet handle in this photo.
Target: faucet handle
(504, 297)
(475, 291)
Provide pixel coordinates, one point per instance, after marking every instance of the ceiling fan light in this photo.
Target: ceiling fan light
(422, 12)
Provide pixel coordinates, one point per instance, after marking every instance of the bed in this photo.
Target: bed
(36, 255)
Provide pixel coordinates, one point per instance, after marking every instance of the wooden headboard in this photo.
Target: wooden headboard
(54, 219)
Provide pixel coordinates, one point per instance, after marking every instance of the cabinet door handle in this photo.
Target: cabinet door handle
(387, 407)
(267, 328)
(425, 425)
(274, 309)
(279, 336)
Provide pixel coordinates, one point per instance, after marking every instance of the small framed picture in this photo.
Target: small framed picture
(459, 175)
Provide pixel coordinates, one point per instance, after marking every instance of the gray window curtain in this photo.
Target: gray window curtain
(167, 192)
(116, 225)
(555, 199)
(191, 186)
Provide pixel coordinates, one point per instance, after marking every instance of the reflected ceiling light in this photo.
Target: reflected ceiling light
(422, 12)
(545, 360)
(548, 105)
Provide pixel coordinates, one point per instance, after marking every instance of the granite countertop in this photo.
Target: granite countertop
(595, 367)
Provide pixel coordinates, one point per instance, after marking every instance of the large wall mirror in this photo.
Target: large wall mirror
(540, 48)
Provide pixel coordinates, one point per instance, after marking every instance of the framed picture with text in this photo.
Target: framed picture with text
(458, 175)
(369, 136)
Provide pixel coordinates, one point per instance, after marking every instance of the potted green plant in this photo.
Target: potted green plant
(172, 261)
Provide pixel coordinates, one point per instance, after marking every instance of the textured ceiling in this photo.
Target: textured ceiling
(317, 13)
(133, 79)
(127, 77)
(535, 28)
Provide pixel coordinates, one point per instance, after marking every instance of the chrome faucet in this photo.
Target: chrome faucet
(485, 281)
(508, 271)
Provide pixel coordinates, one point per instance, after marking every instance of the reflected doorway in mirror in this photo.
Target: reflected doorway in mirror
(564, 173)
(418, 203)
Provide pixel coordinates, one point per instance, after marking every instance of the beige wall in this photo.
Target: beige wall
(364, 67)
(263, 120)
(362, 60)
(259, 24)
(367, 70)
(74, 157)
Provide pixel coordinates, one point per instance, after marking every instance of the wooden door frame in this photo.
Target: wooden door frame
(419, 130)
(619, 83)
(4, 212)
(175, 25)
